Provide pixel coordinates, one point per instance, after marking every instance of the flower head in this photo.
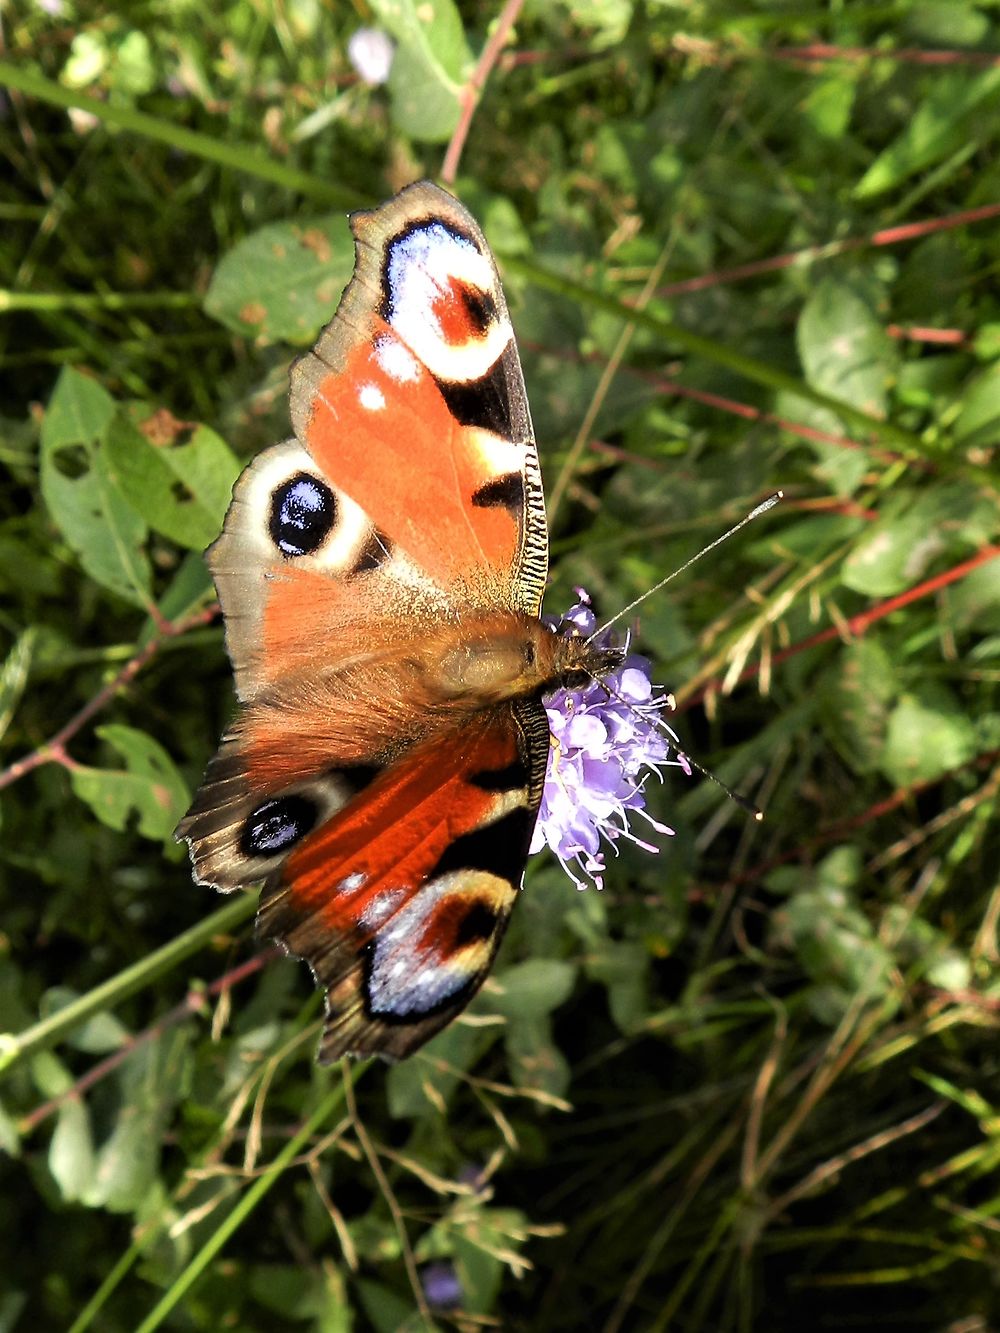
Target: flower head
(607, 737)
(370, 51)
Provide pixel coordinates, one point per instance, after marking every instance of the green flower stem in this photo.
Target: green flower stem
(242, 1210)
(14, 1047)
(211, 149)
(95, 300)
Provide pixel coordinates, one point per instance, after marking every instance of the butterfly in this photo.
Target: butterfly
(381, 576)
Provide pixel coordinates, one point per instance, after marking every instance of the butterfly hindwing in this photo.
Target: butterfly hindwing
(399, 902)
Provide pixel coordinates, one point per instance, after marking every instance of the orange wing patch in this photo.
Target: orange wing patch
(400, 900)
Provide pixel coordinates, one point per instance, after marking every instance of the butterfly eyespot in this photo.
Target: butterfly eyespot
(303, 510)
(478, 924)
(277, 825)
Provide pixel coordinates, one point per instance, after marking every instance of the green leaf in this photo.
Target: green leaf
(14, 675)
(927, 736)
(283, 281)
(429, 66)
(623, 967)
(534, 988)
(71, 1152)
(149, 786)
(82, 492)
(856, 702)
(954, 113)
(978, 421)
(181, 489)
(845, 351)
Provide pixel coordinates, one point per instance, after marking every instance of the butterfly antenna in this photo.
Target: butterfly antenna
(744, 802)
(756, 512)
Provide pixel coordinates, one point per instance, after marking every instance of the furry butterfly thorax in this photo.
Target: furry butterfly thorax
(380, 575)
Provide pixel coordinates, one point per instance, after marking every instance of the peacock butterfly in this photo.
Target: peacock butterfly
(381, 577)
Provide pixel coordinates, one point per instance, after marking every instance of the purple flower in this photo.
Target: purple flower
(441, 1286)
(607, 737)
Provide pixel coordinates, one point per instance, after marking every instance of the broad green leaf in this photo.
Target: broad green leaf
(126, 1162)
(956, 110)
(978, 421)
(283, 281)
(429, 66)
(149, 787)
(895, 551)
(927, 736)
(845, 350)
(71, 1152)
(623, 967)
(533, 988)
(82, 492)
(181, 489)
(856, 701)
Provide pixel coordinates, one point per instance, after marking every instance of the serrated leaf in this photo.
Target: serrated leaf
(429, 65)
(149, 787)
(856, 702)
(844, 349)
(927, 736)
(181, 490)
(283, 281)
(83, 494)
(952, 114)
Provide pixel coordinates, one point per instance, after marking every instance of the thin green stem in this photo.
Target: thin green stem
(242, 1210)
(14, 1047)
(749, 367)
(96, 300)
(240, 157)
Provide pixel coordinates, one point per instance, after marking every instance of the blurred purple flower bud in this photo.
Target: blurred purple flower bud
(441, 1286)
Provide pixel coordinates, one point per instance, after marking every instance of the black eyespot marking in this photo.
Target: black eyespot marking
(375, 552)
(303, 510)
(479, 923)
(506, 492)
(500, 848)
(357, 777)
(485, 403)
(480, 307)
(501, 779)
(276, 825)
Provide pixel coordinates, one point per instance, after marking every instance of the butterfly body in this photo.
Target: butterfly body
(381, 577)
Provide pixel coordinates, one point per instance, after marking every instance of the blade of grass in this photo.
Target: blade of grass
(14, 1047)
(238, 156)
(249, 1202)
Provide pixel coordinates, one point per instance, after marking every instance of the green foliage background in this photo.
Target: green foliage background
(754, 1083)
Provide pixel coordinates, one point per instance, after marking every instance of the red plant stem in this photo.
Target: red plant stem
(907, 231)
(906, 55)
(192, 1003)
(473, 89)
(54, 750)
(859, 624)
(842, 828)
